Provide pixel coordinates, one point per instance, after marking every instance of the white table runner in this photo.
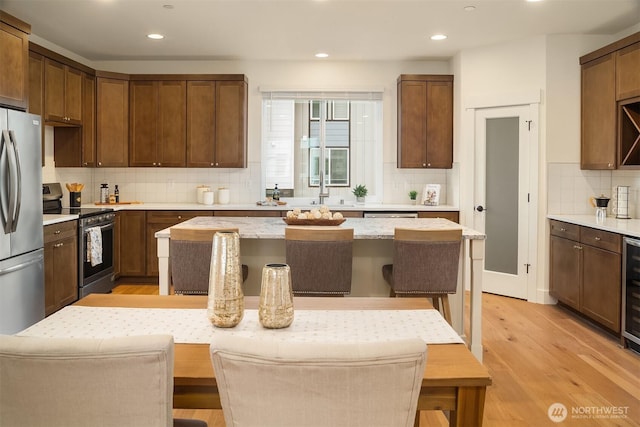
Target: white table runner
(192, 326)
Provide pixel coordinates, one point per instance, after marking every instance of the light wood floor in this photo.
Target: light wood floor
(537, 355)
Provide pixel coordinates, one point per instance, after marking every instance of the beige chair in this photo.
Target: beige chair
(320, 259)
(425, 263)
(117, 382)
(190, 250)
(287, 384)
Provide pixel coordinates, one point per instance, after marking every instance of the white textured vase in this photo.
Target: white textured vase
(225, 306)
(275, 309)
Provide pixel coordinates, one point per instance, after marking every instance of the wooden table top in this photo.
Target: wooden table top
(447, 364)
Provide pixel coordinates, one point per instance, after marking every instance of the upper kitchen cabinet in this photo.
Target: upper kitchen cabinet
(112, 120)
(62, 94)
(14, 62)
(157, 123)
(217, 123)
(610, 91)
(425, 121)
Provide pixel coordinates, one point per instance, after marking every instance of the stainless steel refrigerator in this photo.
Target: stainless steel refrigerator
(21, 242)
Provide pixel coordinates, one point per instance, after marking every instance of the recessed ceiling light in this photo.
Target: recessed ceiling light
(322, 55)
(438, 37)
(469, 8)
(167, 6)
(155, 36)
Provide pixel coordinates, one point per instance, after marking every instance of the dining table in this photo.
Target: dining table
(454, 380)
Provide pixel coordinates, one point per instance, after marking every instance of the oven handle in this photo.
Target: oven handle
(102, 227)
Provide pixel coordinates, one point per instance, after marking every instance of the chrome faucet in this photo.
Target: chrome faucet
(324, 191)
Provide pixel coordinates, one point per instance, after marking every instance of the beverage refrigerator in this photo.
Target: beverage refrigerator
(21, 237)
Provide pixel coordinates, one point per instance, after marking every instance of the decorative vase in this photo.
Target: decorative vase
(275, 309)
(225, 306)
(360, 200)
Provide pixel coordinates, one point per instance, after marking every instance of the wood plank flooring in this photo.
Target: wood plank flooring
(537, 355)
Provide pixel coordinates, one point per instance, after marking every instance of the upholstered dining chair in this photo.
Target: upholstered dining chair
(116, 382)
(190, 250)
(425, 263)
(288, 384)
(320, 258)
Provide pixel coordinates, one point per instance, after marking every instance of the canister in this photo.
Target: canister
(223, 195)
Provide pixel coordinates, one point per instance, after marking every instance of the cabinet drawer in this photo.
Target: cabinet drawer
(173, 217)
(601, 239)
(564, 229)
(60, 231)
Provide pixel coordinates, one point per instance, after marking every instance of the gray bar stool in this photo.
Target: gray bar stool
(425, 263)
(320, 259)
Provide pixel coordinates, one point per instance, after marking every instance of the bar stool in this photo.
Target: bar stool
(320, 259)
(190, 250)
(425, 263)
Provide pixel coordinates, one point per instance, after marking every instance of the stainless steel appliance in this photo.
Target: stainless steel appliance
(631, 293)
(91, 279)
(21, 241)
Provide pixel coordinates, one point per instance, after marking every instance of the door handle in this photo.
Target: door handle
(18, 195)
(481, 208)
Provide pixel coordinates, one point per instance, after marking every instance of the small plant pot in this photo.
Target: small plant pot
(360, 200)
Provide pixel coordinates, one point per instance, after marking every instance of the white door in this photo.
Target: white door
(506, 155)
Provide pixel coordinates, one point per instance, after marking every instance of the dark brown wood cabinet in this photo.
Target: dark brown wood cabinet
(586, 271)
(610, 89)
(425, 121)
(156, 221)
(133, 243)
(89, 121)
(62, 94)
(217, 123)
(14, 62)
(60, 265)
(112, 121)
(36, 91)
(157, 123)
(450, 215)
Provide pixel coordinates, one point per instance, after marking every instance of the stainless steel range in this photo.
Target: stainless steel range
(96, 278)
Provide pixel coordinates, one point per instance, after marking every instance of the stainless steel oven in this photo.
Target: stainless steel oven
(631, 293)
(97, 278)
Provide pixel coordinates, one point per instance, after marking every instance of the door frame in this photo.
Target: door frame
(532, 101)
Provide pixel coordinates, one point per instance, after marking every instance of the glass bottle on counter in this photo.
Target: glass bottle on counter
(276, 193)
(116, 193)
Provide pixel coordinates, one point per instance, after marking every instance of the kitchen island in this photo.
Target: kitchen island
(262, 242)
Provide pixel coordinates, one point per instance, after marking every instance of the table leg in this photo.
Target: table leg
(163, 265)
(469, 407)
(476, 254)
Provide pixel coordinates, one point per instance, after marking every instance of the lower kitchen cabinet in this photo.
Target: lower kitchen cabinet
(132, 241)
(450, 215)
(586, 271)
(60, 265)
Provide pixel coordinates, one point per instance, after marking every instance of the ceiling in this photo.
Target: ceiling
(397, 30)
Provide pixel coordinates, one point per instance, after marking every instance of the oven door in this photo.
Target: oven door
(91, 273)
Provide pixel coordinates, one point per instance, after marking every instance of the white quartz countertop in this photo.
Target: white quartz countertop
(363, 228)
(628, 227)
(48, 219)
(369, 207)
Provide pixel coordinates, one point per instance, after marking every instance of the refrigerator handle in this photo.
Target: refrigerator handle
(18, 193)
(6, 209)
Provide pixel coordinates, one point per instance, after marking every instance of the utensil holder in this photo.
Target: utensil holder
(225, 305)
(75, 199)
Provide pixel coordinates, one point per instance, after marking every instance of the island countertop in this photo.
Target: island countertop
(363, 228)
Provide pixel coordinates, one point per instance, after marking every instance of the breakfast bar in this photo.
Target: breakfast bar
(262, 242)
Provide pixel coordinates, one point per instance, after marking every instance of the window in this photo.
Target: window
(339, 134)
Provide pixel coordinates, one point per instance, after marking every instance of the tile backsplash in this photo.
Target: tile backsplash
(570, 188)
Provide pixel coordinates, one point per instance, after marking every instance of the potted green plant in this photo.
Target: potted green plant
(360, 191)
(412, 195)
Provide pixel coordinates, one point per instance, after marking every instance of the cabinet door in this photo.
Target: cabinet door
(565, 271)
(89, 121)
(201, 114)
(412, 124)
(601, 286)
(36, 90)
(172, 121)
(54, 103)
(133, 243)
(440, 125)
(14, 67)
(628, 72)
(73, 83)
(112, 122)
(231, 124)
(66, 270)
(143, 123)
(598, 107)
